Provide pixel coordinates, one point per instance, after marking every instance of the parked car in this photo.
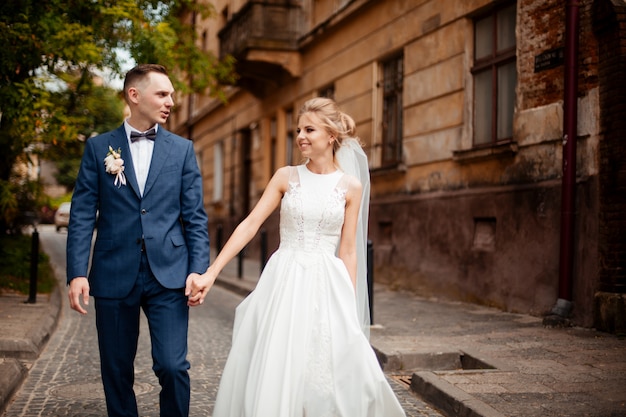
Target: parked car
(62, 216)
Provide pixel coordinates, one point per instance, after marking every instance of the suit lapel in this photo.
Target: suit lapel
(160, 153)
(121, 141)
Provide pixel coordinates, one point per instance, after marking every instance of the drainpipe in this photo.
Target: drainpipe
(568, 189)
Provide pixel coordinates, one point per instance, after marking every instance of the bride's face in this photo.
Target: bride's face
(313, 139)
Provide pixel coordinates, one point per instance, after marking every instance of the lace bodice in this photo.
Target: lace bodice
(312, 211)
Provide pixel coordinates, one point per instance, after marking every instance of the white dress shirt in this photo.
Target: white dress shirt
(141, 152)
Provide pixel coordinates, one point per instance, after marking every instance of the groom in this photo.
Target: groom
(141, 186)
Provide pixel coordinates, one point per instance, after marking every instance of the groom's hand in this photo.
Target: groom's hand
(79, 287)
(197, 288)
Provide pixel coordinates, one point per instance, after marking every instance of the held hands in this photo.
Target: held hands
(79, 287)
(198, 287)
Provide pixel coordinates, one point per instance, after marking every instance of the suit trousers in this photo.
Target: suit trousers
(117, 321)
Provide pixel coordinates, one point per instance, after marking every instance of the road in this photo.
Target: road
(65, 379)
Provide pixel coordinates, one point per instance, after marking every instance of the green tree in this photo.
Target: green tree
(92, 109)
(48, 43)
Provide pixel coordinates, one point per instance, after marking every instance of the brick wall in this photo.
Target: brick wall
(542, 28)
(609, 22)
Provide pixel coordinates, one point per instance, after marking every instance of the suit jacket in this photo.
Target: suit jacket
(170, 217)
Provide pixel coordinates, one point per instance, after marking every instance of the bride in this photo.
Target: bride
(300, 342)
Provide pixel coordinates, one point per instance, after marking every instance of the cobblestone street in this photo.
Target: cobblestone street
(65, 379)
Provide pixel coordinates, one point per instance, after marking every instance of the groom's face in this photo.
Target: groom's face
(154, 100)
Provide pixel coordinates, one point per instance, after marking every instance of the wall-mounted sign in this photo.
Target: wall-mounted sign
(551, 58)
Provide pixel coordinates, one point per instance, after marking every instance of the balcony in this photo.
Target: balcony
(263, 38)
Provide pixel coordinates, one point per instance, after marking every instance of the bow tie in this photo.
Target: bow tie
(150, 135)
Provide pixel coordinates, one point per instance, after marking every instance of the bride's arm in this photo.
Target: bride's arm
(198, 288)
(347, 246)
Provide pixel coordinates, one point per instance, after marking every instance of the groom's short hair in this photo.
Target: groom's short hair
(138, 73)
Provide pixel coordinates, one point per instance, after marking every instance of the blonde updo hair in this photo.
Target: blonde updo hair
(336, 122)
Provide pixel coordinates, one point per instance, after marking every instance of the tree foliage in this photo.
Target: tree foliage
(51, 50)
(91, 109)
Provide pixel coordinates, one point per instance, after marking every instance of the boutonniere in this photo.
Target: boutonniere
(114, 165)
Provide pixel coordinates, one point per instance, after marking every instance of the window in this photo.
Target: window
(218, 172)
(273, 142)
(495, 76)
(205, 42)
(393, 77)
(289, 137)
(327, 91)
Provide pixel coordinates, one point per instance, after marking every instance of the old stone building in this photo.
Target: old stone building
(494, 129)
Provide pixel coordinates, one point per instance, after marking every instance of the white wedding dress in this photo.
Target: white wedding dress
(298, 349)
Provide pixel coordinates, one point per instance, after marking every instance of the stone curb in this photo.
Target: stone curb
(12, 374)
(12, 351)
(434, 390)
(30, 346)
(449, 399)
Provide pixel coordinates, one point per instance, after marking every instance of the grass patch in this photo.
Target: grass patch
(15, 266)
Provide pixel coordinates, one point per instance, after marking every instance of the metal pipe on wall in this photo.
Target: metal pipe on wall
(568, 190)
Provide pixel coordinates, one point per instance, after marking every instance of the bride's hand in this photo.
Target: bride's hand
(198, 286)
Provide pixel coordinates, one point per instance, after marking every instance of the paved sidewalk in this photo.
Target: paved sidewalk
(464, 359)
(24, 331)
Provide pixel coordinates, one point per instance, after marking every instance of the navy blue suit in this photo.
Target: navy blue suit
(144, 249)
